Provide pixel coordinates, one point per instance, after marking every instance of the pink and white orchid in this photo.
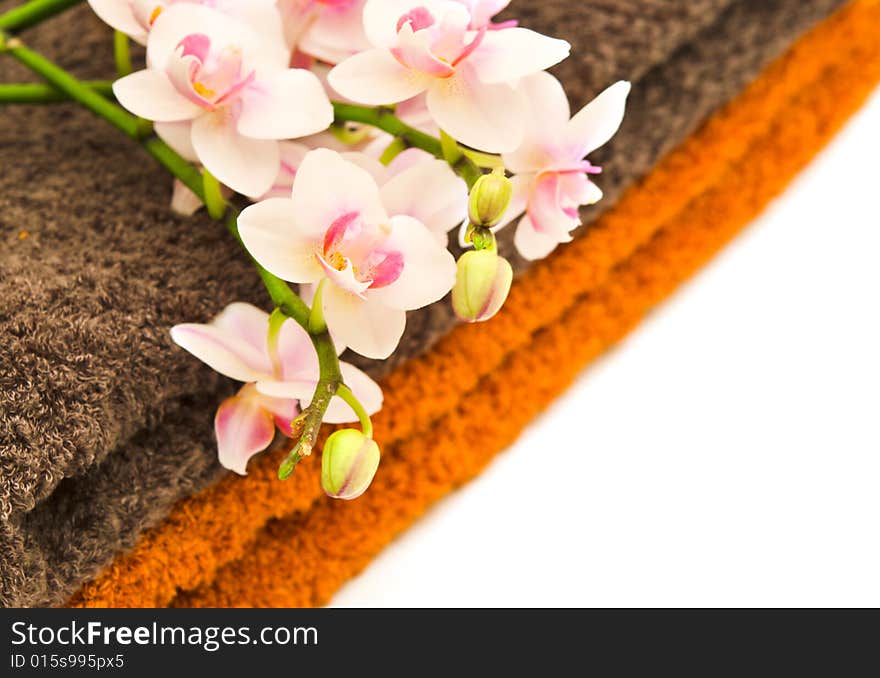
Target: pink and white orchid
(329, 30)
(222, 94)
(336, 230)
(469, 75)
(552, 178)
(135, 18)
(402, 185)
(280, 376)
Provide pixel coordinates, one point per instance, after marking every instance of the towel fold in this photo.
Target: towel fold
(104, 424)
(249, 542)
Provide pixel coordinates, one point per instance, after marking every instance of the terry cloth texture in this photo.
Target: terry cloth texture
(104, 424)
(227, 545)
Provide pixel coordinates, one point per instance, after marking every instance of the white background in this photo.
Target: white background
(726, 454)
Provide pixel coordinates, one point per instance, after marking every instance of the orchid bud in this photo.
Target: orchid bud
(490, 198)
(482, 284)
(349, 463)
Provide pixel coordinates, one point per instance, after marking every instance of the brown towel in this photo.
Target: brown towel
(103, 423)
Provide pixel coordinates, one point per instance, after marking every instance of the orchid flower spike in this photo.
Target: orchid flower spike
(280, 375)
(469, 75)
(135, 18)
(552, 178)
(221, 94)
(329, 30)
(339, 230)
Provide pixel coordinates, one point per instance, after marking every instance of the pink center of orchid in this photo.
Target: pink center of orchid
(418, 18)
(435, 47)
(349, 245)
(209, 78)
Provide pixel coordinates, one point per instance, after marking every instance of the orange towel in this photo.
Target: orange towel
(255, 541)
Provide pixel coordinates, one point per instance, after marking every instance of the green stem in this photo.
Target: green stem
(484, 160)
(385, 120)
(317, 323)
(214, 201)
(30, 13)
(122, 54)
(73, 88)
(391, 151)
(346, 394)
(41, 93)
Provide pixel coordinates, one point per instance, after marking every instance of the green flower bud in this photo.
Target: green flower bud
(482, 284)
(490, 198)
(348, 464)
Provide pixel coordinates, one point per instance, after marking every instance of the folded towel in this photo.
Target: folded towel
(252, 542)
(104, 424)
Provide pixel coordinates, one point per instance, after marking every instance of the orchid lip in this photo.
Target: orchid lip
(193, 52)
(418, 18)
(471, 46)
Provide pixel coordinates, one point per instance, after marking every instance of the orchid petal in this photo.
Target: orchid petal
(381, 17)
(415, 51)
(150, 94)
(288, 104)
(506, 56)
(545, 124)
(482, 11)
(271, 233)
(246, 165)
(296, 353)
(344, 278)
(118, 15)
(246, 322)
(364, 389)
(407, 159)
(376, 78)
(440, 209)
(519, 199)
(178, 135)
(283, 410)
(429, 268)
(599, 120)
(301, 390)
(327, 187)
(183, 200)
(243, 429)
(547, 206)
(487, 117)
(367, 162)
(531, 244)
(223, 351)
(337, 33)
(366, 326)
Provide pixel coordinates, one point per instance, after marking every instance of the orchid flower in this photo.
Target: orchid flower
(280, 376)
(552, 178)
(469, 76)
(135, 18)
(335, 231)
(402, 185)
(329, 30)
(222, 94)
